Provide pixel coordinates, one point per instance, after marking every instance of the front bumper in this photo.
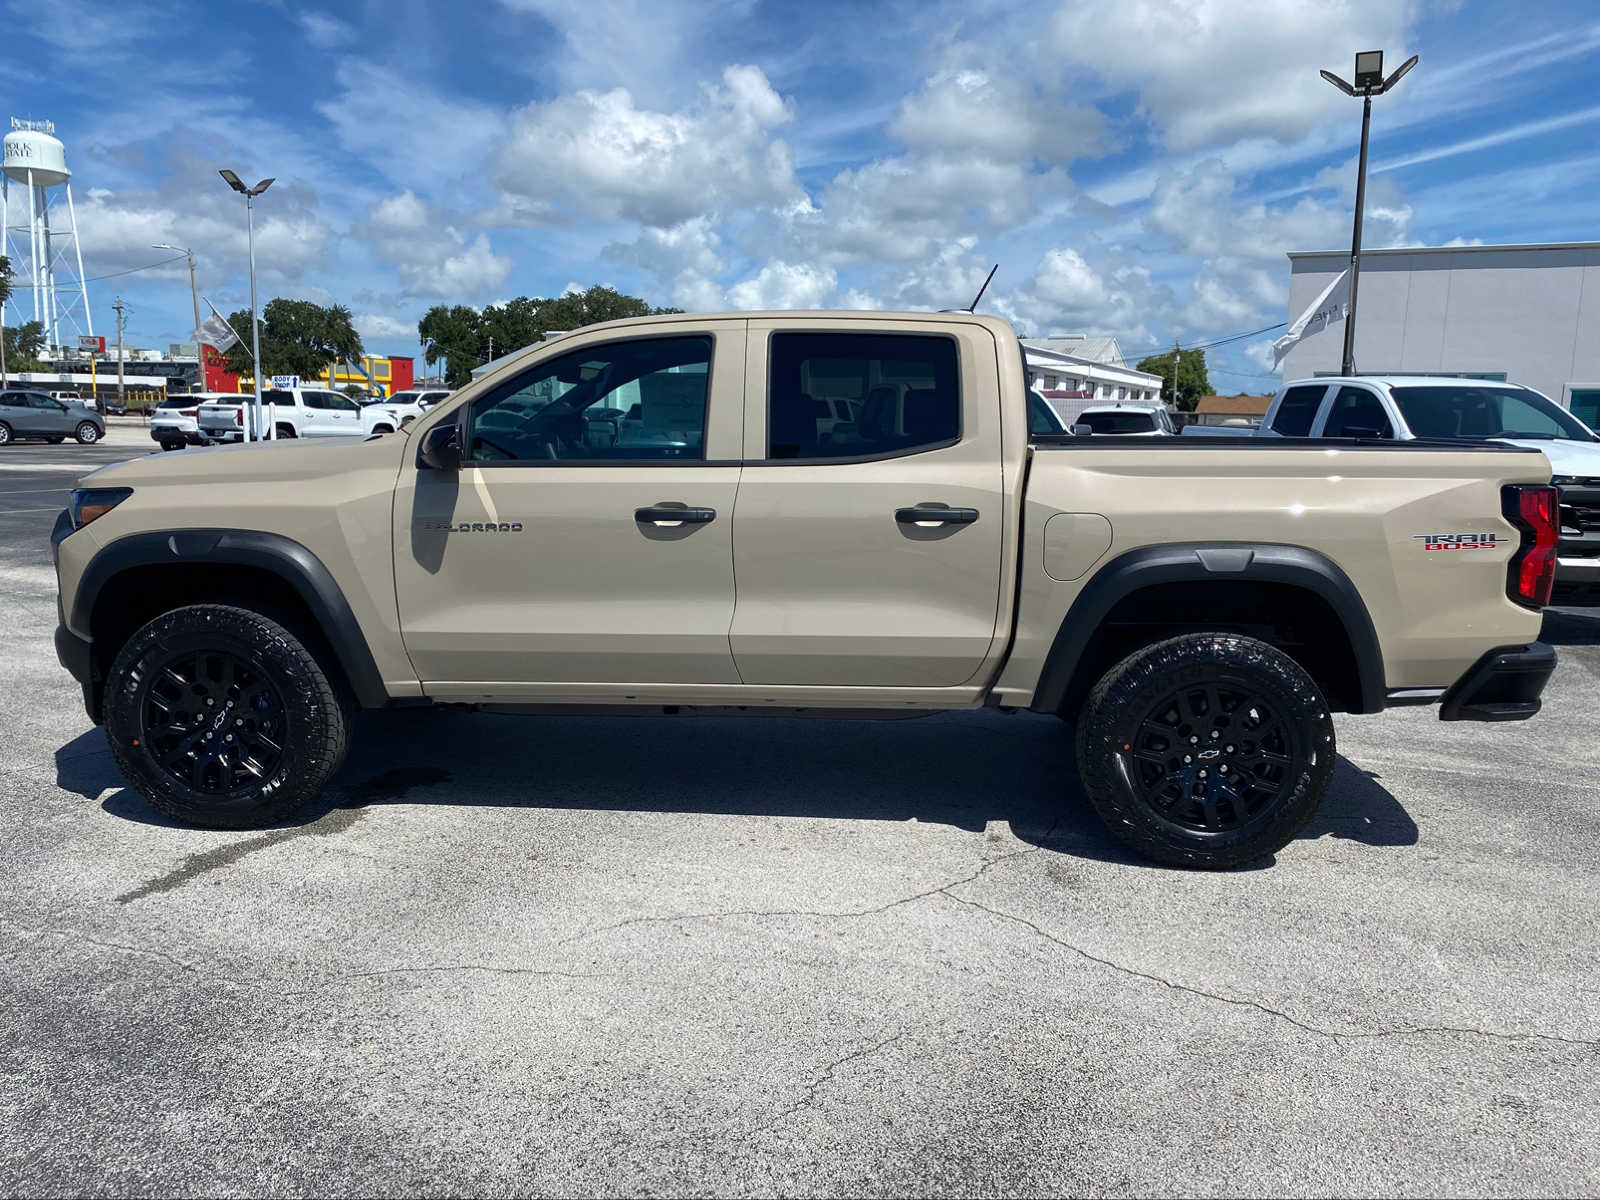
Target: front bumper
(77, 656)
(1504, 685)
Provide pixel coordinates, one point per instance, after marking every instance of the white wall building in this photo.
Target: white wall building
(1072, 382)
(1526, 314)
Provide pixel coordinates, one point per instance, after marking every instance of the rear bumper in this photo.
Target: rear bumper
(1504, 685)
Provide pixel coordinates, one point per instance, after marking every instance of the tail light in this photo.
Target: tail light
(1532, 572)
(238, 415)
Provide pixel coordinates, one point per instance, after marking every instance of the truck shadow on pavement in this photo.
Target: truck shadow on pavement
(964, 770)
(1571, 627)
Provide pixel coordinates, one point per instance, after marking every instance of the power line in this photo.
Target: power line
(24, 287)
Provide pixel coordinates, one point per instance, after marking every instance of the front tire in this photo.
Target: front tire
(385, 428)
(1207, 750)
(220, 717)
(88, 433)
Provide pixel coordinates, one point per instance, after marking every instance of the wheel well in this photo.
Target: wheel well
(134, 597)
(1294, 619)
(286, 430)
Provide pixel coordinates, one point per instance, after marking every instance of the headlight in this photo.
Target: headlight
(90, 504)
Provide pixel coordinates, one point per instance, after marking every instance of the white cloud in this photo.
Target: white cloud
(326, 31)
(604, 158)
(997, 116)
(432, 257)
(380, 327)
(784, 285)
(1211, 71)
(389, 117)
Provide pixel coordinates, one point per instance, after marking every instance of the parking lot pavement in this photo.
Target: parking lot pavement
(610, 955)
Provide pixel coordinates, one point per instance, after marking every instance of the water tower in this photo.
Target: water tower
(36, 162)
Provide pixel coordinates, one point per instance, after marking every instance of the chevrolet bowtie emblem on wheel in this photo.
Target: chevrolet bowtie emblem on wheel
(1458, 541)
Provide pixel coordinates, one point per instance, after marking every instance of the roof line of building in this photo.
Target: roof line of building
(1293, 254)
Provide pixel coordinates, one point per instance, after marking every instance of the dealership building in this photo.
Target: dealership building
(1524, 314)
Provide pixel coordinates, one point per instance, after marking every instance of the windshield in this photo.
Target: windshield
(1131, 421)
(1041, 417)
(403, 398)
(1478, 411)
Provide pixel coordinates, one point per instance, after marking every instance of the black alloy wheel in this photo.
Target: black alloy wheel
(1212, 756)
(1206, 750)
(212, 720)
(221, 717)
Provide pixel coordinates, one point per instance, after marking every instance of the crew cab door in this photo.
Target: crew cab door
(868, 552)
(555, 563)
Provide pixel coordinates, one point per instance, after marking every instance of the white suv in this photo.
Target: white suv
(175, 423)
(405, 407)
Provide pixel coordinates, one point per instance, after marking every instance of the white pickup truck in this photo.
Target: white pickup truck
(297, 412)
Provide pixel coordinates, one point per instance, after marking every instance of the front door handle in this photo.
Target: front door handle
(935, 516)
(667, 515)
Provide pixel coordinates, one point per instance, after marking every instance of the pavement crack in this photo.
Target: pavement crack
(1333, 1035)
(446, 969)
(821, 1079)
(722, 915)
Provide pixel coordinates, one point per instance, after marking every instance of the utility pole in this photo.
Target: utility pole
(491, 349)
(1176, 354)
(122, 388)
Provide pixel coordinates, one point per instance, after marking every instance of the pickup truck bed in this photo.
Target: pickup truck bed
(810, 512)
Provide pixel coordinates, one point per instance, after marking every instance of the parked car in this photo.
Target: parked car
(294, 413)
(1453, 409)
(175, 422)
(405, 407)
(723, 553)
(25, 413)
(1041, 417)
(1126, 420)
(112, 407)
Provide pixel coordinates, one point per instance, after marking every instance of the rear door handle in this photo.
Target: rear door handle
(663, 514)
(935, 516)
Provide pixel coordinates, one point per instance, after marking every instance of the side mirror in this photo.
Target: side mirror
(1083, 431)
(441, 448)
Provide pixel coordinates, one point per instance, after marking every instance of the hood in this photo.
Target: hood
(1566, 457)
(288, 460)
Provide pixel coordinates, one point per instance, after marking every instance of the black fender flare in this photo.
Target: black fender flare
(284, 557)
(1207, 561)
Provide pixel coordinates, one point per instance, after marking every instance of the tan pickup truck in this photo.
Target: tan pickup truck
(829, 513)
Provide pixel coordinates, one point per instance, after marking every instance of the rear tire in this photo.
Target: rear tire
(1207, 750)
(88, 433)
(5, 434)
(286, 431)
(220, 717)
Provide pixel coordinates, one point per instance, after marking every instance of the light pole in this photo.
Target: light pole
(199, 346)
(250, 195)
(1369, 83)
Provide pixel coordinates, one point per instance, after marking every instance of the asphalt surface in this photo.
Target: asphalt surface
(599, 956)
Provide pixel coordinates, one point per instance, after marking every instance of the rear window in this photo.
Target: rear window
(180, 402)
(1132, 421)
(1297, 410)
(274, 396)
(402, 397)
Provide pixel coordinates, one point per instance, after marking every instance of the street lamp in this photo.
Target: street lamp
(199, 347)
(250, 195)
(1369, 83)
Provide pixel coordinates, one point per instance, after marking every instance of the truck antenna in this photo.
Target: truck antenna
(973, 307)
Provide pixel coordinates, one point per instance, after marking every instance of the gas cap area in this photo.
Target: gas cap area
(1074, 542)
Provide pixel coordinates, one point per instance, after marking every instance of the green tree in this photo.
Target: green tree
(462, 337)
(23, 344)
(298, 337)
(5, 279)
(1193, 381)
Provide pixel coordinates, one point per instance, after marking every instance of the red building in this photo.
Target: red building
(388, 375)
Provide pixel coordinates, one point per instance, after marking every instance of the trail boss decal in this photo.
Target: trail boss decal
(1459, 541)
(472, 526)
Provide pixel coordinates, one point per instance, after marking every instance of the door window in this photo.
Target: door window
(339, 403)
(1297, 410)
(1357, 412)
(904, 392)
(40, 401)
(642, 400)
(1586, 405)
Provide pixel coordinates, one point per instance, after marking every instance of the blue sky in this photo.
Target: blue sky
(1137, 167)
